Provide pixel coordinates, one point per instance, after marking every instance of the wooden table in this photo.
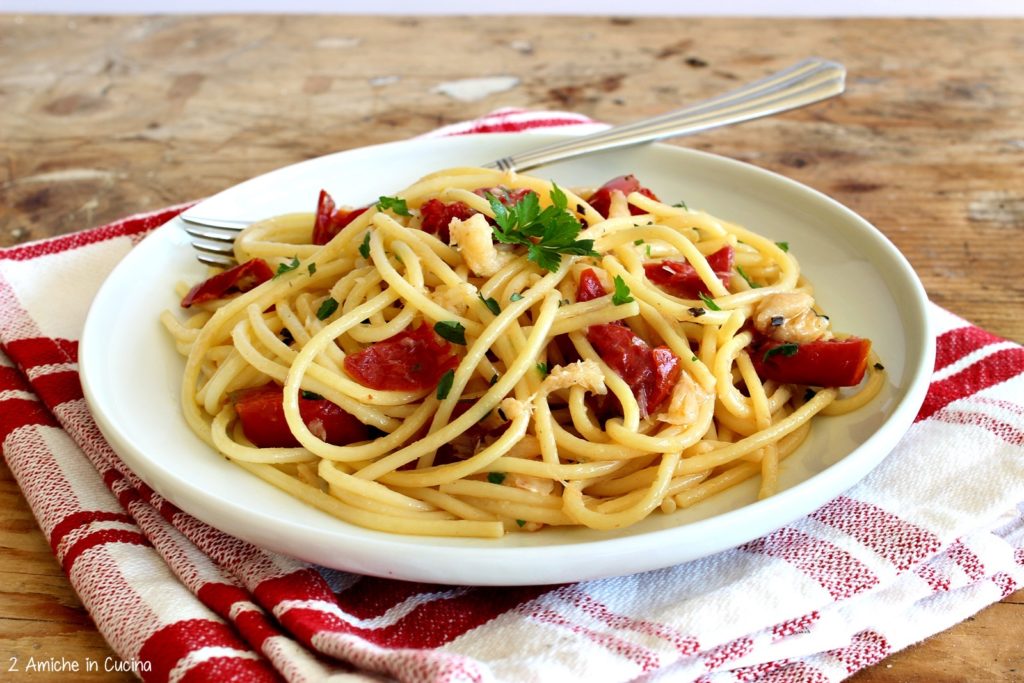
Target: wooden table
(104, 117)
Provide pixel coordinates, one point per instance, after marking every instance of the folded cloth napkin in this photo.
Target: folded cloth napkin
(931, 536)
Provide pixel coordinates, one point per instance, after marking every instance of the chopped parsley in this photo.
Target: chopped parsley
(746, 278)
(621, 295)
(696, 311)
(784, 246)
(327, 307)
(693, 359)
(681, 205)
(547, 234)
(494, 379)
(788, 349)
(879, 366)
(638, 242)
(283, 268)
(521, 522)
(542, 368)
(709, 302)
(491, 304)
(311, 396)
(311, 268)
(364, 248)
(496, 477)
(516, 296)
(396, 204)
(453, 331)
(445, 385)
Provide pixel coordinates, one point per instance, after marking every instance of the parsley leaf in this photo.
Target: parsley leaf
(516, 296)
(311, 396)
(521, 522)
(396, 204)
(364, 248)
(329, 306)
(547, 234)
(496, 477)
(283, 268)
(784, 246)
(753, 285)
(445, 385)
(312, 269)
(542, 368)
(681, 205)
(709, 302)
(621, 295)
(788, 349)
(451, 330)
(491, 304)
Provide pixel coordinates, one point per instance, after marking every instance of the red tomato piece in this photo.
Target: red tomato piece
(331, 220)
(666, 373)
(261, 412)
(241, 278)
(650, 373)
(436, 215)
(602, 198)
(830, 363)
(681, 279)
(589, 286)
(412, 360)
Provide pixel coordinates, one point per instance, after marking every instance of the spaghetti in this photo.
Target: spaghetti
(489, 352)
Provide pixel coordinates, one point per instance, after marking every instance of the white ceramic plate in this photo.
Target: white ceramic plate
(131, 371)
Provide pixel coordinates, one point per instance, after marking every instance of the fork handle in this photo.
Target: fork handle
(806, 82)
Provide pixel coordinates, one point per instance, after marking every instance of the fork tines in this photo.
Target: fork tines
(215, 238)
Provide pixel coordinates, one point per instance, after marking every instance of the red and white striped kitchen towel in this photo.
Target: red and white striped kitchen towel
(930, 537)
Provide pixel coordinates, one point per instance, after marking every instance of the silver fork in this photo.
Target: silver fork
(806, 82)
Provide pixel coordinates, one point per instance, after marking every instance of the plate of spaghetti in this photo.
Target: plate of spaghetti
(433, 371)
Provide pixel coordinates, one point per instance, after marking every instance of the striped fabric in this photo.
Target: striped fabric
(930, 537)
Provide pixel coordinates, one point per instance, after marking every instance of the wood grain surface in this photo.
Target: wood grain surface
(103, 117)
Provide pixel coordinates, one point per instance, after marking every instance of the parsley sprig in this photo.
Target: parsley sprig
(788, 349)
(746, 278)
(621, 295)
(327, 308)
(709, 302)
(491, 303)
(396, 204)
(452, 330)
(444, 385)
(546, 234)
(286, 267)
